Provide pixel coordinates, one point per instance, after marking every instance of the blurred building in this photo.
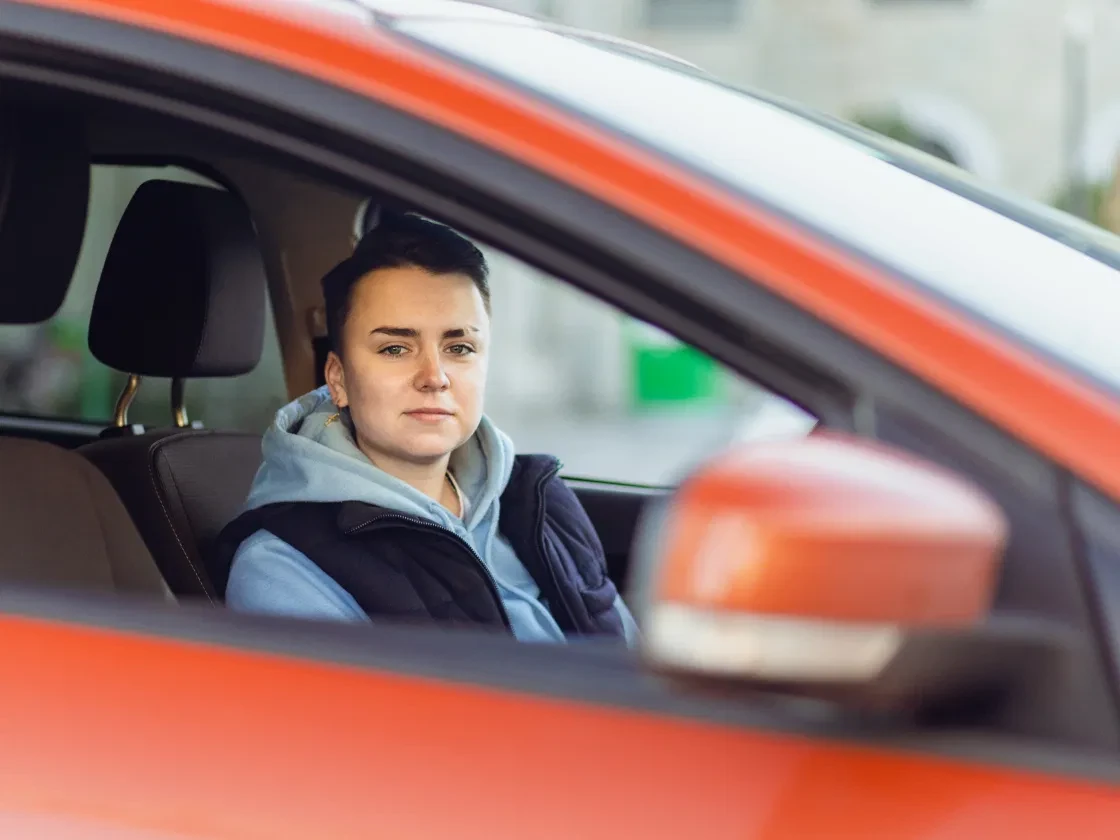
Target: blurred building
(992, 83)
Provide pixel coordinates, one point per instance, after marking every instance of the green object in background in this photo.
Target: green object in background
(95, 398)
(67, 336)
(668, 372)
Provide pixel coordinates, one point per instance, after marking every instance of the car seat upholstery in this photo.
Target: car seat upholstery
(181, 296)
(62, 523)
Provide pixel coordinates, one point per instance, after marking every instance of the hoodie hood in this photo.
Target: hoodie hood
(308, 460)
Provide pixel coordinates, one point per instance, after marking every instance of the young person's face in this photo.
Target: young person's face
(413, 364)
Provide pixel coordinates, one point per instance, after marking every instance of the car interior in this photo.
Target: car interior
(181, 296)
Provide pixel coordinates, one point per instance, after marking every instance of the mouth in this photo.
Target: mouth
(430, 415)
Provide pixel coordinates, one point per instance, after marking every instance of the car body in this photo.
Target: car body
(892, 299)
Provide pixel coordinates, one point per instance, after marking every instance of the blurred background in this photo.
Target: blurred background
(1024, 94)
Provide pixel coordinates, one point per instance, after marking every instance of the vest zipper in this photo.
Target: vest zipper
(424, 524)
(542, 551)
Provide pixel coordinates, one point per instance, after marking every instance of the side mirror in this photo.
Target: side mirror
(821, 565)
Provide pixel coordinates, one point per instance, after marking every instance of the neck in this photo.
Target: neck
(429, 478)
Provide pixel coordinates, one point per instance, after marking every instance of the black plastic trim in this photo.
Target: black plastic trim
(49, 425)
(607, 484)
(1097, 520)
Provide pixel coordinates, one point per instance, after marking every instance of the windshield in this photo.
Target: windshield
(923, 220)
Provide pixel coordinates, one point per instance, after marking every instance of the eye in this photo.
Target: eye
(460, 350)
(393, 350)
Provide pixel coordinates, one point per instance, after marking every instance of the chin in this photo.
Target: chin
(430, 450)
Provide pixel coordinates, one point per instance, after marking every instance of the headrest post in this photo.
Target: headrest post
(128, 393)
(178, 402)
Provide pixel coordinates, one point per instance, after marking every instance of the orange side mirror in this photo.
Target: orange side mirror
(809, 560)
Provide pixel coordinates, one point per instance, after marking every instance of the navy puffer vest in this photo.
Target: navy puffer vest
(405, 568)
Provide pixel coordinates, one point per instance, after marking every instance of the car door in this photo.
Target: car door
(122, 717)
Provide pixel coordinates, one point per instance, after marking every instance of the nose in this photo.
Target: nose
(431, 375)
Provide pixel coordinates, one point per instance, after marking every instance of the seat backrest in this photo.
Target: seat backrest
(181, 489)
(63, 525)
(181, 296)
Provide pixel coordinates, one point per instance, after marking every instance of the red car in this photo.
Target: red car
(904, 625)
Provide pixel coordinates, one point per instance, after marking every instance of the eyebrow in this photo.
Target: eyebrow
(409, 332)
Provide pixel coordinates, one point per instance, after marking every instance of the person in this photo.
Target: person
(387, 494)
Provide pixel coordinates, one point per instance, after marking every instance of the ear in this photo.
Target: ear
(336, 379)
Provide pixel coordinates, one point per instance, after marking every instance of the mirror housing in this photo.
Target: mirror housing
(811, 562)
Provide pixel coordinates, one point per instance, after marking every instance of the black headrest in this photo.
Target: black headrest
(44, 198)
(182, 291)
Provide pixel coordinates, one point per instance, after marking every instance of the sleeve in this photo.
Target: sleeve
(269, 576)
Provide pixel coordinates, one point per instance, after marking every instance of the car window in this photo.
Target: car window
(612, 397)
(1035, 275)
(46, 370)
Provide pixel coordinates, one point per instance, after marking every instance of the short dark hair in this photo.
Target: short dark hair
(400, 240)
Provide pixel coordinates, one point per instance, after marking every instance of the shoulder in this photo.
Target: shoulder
(560, 497)
(270, 576)
(542, 472)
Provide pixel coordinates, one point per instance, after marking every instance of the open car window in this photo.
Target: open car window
(614, 398)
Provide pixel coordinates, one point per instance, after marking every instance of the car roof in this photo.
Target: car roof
(383, 12)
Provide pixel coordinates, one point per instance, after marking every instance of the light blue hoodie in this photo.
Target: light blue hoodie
(305, 459)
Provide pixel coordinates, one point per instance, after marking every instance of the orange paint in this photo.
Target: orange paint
(831, 527)
(161, 736)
